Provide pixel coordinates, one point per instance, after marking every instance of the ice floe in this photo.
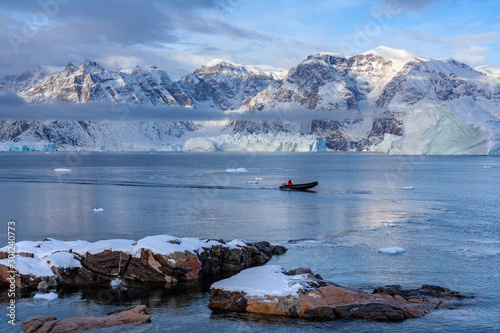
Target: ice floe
(237, 170)
(391, 250)
(49, 297)
(98, 210)
(62, 170)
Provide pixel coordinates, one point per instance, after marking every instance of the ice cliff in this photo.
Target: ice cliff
(438, 131)
(257, 142)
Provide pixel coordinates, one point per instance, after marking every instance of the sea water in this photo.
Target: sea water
(442, 210)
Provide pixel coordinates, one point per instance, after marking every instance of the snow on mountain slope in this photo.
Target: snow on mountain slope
(492, 70)
(426, 83)
(91, 82)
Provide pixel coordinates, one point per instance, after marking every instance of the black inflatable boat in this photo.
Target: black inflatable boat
(298, 187)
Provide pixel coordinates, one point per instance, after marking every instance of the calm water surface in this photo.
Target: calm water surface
(447, 222)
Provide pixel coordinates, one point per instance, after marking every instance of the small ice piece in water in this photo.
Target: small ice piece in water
(49, 297)
(408, 188)
(62, 170)
(252, 182)
(258, 178)
(236, 170)
(391, 250)
(487, 166)
(116, 283)
(98, 210)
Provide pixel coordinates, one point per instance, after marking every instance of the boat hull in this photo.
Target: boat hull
(299, 187)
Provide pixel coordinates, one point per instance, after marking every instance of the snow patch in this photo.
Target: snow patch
(269, 280)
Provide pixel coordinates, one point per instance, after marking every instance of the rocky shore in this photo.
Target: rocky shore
(136, 315)
(300, 293)
(166, 259)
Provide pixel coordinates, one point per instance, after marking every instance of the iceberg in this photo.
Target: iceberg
(385, 145)
(391, 250)
(281, 142)
(438, 131)
(49, 297)
(238, 170)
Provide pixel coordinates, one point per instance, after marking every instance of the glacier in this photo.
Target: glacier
(27, 146)
(281, 142)
(438, 131)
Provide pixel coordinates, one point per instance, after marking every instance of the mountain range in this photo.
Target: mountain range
(352, 101)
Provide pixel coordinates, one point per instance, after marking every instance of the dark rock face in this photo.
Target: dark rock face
(319, 299)
(135, 315)
(213, 261)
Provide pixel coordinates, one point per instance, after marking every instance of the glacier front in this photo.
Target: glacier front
(284, 142)
(438, 131)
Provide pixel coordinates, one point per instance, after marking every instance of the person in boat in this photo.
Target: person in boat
(289, 182)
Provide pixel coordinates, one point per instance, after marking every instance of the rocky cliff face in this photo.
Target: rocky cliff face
(224, 85)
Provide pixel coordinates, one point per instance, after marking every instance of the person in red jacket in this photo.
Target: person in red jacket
(289, 182)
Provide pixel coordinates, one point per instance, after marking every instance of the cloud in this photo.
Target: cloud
(471, 48)
(15, 108)
(411, 5)
(111, 31)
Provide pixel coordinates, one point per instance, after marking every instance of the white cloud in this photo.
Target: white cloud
(471, 48)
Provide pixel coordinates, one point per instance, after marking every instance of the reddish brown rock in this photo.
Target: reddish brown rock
(212, 261)
(136, 315)
(316, 298)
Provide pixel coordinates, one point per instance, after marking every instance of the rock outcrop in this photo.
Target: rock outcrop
(49, 324)
(299, 293)
(154, 259)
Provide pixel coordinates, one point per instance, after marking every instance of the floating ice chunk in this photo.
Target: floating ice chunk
(116, 283)
(391, 250)
(236, 170)
(258, 178)
(98, 210)
(62, 170)
(408, 188)
(49, 297)
(487, 166)
(252, 182)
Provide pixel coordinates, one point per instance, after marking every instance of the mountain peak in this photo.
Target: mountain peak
(91, 65)
(392, 54)
(218, 62)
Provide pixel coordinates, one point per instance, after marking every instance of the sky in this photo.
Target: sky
(181, 35)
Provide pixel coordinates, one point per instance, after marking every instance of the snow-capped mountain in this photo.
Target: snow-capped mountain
(370, 92)
(223, 85)
(91, 82)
